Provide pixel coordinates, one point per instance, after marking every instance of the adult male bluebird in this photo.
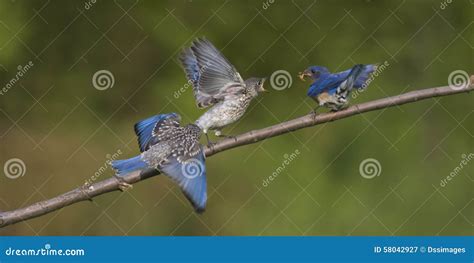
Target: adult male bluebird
(332, 89)
(217, 83)
(174, 151)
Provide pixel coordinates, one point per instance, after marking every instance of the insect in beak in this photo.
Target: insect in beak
(304, 74)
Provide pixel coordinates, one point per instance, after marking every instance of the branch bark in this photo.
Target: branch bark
(87, 192)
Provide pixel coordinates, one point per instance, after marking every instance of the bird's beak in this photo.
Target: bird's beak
(304, 74)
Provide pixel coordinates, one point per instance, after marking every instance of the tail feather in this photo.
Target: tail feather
(364, 75)
(350, 79)
(354, 75)
(123, 167)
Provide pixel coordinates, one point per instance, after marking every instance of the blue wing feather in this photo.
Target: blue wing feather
(313, 90)
(330, 82)
(364, 75)
(326, 83)
(361, 77)
(191, 67)
(146, 129)
(190, 175)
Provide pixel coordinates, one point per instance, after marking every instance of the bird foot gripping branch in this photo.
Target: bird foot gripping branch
(123, 186)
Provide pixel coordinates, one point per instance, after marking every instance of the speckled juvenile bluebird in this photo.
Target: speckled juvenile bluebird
(174, 151)
(332, 89)
(217, 83)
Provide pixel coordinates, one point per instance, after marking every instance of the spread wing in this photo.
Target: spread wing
(361, 81)
(360, 72)
(190, 175)
(212, 75)
(342, 82)
(327, 84)
(155, 129)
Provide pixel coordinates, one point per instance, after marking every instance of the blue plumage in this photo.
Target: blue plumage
(190, 175)
(332, 89)
(146, 129)
(191, 67)
(129, 165)
(175, 151)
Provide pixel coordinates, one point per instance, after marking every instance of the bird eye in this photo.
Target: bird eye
(259, 83)
(313, 71)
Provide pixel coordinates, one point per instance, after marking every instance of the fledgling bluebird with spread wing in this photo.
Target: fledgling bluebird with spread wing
(333, 89)
(217, 83)
(175, 151)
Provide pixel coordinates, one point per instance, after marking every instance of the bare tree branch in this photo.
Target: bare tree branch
(113, 184)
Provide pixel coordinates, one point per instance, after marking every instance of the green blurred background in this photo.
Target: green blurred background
(64, 129)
